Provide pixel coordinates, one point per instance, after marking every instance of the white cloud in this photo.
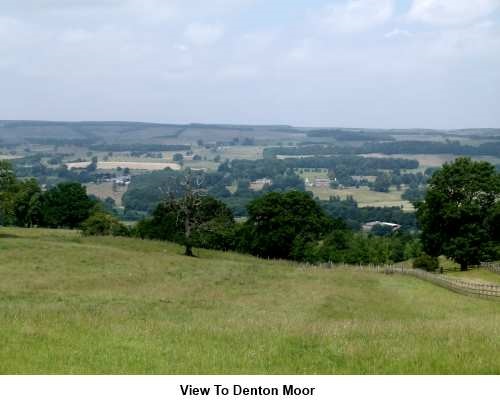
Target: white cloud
(356, 15)
(181, 47)
(265, 69)
(76, 36)
(451, 12)
(203, 34)
(397, 33)
(238, 72)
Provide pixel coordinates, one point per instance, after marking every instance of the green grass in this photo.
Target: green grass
(312, 174)
(69, 304)
(365, 197)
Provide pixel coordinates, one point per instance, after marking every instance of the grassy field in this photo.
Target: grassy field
(132, 165)
(105, 190)
(312, 175)
(426, 161)
(364, 196)
(70, 304)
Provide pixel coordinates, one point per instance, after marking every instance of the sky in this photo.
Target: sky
(340, 63)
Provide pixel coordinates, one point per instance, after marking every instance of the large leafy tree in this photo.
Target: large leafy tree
(458, 214)
(279, 224)
(66, 206)
(28, 204)
(8, 189)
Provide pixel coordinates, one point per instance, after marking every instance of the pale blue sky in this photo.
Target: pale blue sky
(363, 63)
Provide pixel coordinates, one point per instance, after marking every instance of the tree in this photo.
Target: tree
(382, 183)
(103, 224)
(66, 206)
(455, 217)
(280, 223)
(192, 219)
(28, 204)
(178, 157)
(93, 165)
(8, 189)
(426, 262)
(381, 230)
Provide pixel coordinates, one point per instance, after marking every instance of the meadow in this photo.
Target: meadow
(75, 305)
(428, 161)
(132, 165)
(365, 197)
(106, 190)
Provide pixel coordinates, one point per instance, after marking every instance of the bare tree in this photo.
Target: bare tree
(187, 207)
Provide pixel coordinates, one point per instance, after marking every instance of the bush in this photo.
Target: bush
(426, 262)
(103, 224)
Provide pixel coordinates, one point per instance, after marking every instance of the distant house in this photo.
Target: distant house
(370, 225)
(261, 182)
(324, 183)
(122, 180)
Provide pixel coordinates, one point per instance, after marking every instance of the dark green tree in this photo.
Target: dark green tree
(455, 217)
(282, 223)
(178, 157)
(382, 183)
(28, 204)
(191, 219)
(8, 190)
(66, 206)
(103, 224)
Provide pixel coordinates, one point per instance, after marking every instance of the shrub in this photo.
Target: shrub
(426, 262)
(103, 224)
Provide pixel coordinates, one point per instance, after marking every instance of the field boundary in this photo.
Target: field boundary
(494, 267)
(460, 286)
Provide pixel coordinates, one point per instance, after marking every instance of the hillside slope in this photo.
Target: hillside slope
(70, 304)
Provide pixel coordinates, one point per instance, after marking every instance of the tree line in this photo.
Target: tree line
(390, 147)
(458, 218)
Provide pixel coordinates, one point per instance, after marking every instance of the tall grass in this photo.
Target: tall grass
(70, 304)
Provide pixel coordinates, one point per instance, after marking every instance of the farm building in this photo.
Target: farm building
(122, 181)
(324, 183)
(369, 225)
(261, 182)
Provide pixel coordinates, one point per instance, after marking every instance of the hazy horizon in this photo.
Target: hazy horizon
(243, 124)
(399, 64)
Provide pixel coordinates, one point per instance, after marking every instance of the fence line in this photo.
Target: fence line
(457, 285)
(494, 267)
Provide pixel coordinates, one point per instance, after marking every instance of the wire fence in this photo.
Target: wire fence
(458, 285)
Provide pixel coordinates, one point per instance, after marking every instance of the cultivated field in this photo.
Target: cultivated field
(426, 161)
(105, 190)
(365, 197)
(150, 166)
(119, 306)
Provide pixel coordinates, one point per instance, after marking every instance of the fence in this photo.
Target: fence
(495, 267)
(457, 285)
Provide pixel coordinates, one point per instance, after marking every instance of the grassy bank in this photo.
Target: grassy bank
(100, 305)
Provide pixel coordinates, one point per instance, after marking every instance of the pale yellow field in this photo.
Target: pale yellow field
(10, 157)
(105, 190)
(426, 161)
(77, 165)
(230, 152)
(365, 197)
(151, 166)
(242, 152)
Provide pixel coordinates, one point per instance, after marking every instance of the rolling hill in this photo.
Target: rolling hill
(70, 304)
